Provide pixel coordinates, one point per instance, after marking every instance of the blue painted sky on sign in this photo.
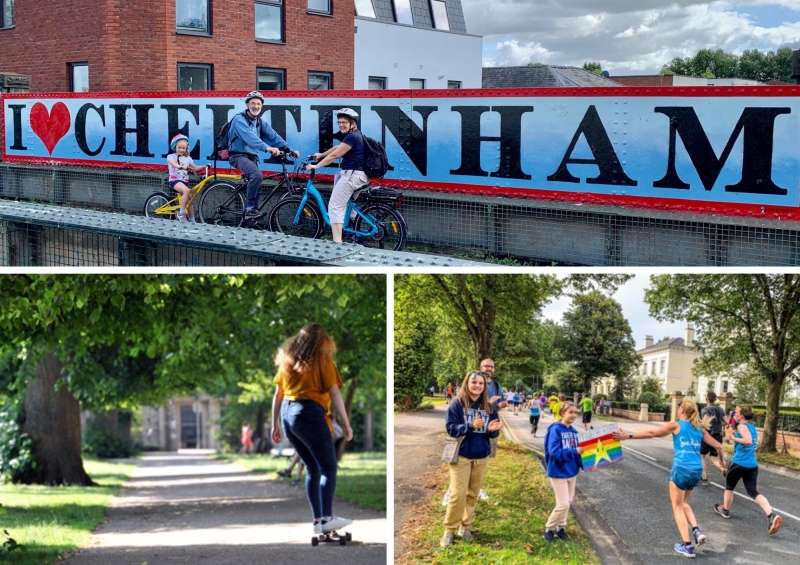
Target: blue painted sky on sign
(626, 36)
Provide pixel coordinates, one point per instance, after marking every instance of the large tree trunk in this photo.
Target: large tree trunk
(52, 420)
(770, 435)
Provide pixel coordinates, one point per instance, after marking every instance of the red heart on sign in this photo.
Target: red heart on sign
(50, 126)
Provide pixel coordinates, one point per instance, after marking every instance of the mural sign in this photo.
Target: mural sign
(733, 150)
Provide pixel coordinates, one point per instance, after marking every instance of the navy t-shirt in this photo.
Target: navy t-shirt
(353, 160)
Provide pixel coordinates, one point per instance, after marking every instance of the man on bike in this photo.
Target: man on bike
(248, 135)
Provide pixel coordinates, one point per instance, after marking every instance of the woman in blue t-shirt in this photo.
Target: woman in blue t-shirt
(744, 467)
(351, 176)
(688, 432)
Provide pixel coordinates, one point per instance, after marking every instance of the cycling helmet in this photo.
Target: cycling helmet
(349, 112)
(176, 139)
(254, 94)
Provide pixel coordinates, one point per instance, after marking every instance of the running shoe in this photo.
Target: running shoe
(549, 536)
(704, 481)
(699, 537)
(447, 539)
(561, 534)
(774, 523)
(251, 212)
(722, 511)
(317, 528)
(482, 495)
(686, 551)
(335, 523)
(465, 534)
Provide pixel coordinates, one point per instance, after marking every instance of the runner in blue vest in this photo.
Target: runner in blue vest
(744, 466)
(688, 433)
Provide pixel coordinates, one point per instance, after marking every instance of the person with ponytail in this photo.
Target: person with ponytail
(744, 467)
(688, 433)
(308, 384)
(475, 418)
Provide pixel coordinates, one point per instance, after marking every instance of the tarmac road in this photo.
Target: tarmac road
(631, 497)
(188, 508)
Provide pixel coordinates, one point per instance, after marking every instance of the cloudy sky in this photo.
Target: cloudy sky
(626, 36)
(631, 296)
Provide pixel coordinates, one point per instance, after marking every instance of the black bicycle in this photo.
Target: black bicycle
(223, 203)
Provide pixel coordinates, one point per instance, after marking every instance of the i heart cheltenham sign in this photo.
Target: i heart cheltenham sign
(731, 150)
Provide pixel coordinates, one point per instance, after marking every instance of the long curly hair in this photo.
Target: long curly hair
(302, 351)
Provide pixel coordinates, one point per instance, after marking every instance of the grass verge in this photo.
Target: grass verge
(361, 477)
(429, 402)
(48, 521)
(507, 527)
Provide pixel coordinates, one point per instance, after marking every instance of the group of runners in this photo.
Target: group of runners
(473, 419)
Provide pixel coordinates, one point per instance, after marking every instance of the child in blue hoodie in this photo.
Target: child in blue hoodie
(562, 456)
(474, 417)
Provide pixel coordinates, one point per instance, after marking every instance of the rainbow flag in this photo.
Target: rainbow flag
(600, 449)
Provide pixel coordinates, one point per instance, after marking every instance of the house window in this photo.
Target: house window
(663, 366)
(79, 77)
(194, 77)
(439, 9)
(453, 84)
(653, 368)
(271, 79)
(319, 6)
(416, 83)
(192, 16)
(365, 9)
(320, 81)
(6, 13)
(402, 12)
(724, 386)
(377, 83)
(269, 20)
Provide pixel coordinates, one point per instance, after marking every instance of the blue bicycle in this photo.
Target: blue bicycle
(373, 219)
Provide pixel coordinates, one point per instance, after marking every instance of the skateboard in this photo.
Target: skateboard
(332, 536)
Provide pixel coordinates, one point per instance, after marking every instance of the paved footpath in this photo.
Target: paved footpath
(189, 508)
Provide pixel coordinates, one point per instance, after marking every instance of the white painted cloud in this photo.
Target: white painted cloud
(625, 36)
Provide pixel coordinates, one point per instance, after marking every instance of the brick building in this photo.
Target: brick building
(167, 45)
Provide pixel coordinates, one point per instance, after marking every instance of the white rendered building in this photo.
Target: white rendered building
(416, 44)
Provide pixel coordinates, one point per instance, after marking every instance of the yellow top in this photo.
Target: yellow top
(557, 411)
(313, 385)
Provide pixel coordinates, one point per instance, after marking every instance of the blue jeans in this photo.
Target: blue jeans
(254, 176)
(307, 428)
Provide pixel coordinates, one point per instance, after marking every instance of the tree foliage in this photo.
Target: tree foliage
(741, 320)
(597, 339)
(752, 64)
(593, 67)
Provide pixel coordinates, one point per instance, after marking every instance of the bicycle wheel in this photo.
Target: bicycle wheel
(281, 218)
(153, 203)
(391, 227)
(222, 204)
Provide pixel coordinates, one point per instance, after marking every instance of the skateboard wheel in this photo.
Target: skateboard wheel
(349, 536)
(343, 541)
(314, 541)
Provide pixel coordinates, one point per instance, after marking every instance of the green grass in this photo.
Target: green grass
(507, 527)
(429, 402)
(48, 521)
(361, 477)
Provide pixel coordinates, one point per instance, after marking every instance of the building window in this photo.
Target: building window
(192, 15)
(453, 84)
(653, 369)
(377, 83)
(320, 81)
(439, 9)
(6, 13)
(402, 12)
(79, 77)
(194, 77)
(365, 9)
(269, 20)
(416, 83)
(663, 366)
(271, 79)
(319, 6)
(724, 386)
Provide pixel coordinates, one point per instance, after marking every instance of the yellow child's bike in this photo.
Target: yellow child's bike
(220, 198)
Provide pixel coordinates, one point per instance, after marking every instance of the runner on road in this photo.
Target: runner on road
(688, 433)
(534, 411)
(744, 466)
(587, 405)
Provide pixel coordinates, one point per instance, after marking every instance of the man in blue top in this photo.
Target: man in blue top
(248, 135)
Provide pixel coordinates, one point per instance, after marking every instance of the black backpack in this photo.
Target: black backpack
(221, 141)
(376, 163)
